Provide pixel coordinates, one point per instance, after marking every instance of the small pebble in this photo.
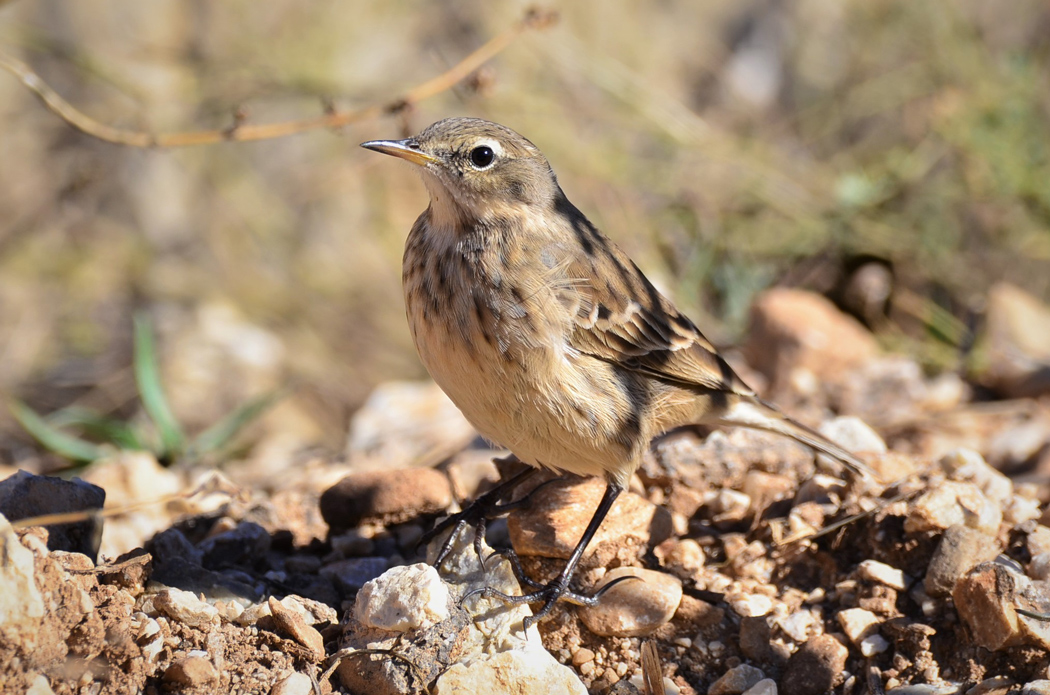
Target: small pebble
(582, 656)
(633, 606)
(818, 666)
(876, 571)
(185, 607)
(751, 605)
(858, 623)
(736, 680)
(191, 672)
(294, 683)
(403, 598)
(293, 624)
(873, 644)
(766, 686)
(1040, 687)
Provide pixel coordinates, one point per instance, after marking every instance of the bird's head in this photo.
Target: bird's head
(477, 166)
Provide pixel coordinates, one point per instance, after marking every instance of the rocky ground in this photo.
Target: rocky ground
(761, 570)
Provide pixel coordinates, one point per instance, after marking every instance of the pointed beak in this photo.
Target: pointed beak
(405, 149)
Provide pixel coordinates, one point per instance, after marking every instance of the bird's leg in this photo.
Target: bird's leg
(499, 510)
(477, 514)
(558, 587)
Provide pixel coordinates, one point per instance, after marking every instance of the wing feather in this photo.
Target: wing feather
(629, 323)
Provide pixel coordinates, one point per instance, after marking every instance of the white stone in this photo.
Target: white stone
(152, 649)
(229, 611)
(21, 604)
(685, 558)
(750, 605)
(858, 623)
(1038, 540)
(930, 605)
(185, 607)
(149, 637)
(950, 503)
(766, 686)
(638, 681)
(1021, 509)
(310, 610)
(496, 622)
(294, 683)
(873, 644)
(529, 671)
(1039, 567)
(799, 625)
(876, 571)
(966, 465)
(1040, 687)
(403, 598)
(39, 686)
(729, 504)
(253, 613)
(493, 635)
(853, 434)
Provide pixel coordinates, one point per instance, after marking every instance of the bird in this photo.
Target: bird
(546, 335)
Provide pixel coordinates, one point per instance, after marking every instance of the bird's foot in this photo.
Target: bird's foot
(548, 594)
(476, 514)
(558, 588)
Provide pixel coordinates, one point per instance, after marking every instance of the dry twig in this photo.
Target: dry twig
(241, 132)
(652, 673)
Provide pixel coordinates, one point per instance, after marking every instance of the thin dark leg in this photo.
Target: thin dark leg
(477, 512)
(499, 510)
(559, 586)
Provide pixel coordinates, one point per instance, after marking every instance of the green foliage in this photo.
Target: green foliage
(61, 443)
(147, 376)
(163, 435)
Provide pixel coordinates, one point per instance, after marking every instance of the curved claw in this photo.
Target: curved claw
(549, 594)
(477, 513)
(601, 592)
(446, 547)
(480, 526)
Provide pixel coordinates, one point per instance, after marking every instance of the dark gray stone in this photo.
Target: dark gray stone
(26, 495)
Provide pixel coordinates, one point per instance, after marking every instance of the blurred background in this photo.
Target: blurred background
(892, 155)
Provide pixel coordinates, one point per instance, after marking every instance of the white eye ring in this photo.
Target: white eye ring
(484, 152)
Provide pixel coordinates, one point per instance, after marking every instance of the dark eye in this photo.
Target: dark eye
(482, 156)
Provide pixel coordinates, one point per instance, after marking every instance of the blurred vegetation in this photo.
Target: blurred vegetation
(729, 146)
(158, 432)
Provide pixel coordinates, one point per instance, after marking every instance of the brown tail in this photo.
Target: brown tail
(759, 415)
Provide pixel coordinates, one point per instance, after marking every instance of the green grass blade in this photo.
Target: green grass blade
(95, 425)
(147, 376)
(220, 434)
(54, 439)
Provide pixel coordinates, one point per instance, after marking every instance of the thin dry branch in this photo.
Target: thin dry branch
(241, 132)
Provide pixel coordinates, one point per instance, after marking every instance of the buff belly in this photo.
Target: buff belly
(550, 409)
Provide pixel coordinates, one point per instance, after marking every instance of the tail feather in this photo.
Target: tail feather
(757, 414)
